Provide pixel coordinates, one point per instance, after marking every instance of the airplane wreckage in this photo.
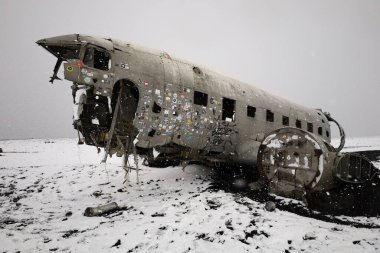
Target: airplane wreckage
(134, 100)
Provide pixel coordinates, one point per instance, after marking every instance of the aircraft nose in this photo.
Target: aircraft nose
(41, 42)
(59, 40)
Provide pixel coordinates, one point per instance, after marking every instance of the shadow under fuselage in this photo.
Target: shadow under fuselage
(346, 199)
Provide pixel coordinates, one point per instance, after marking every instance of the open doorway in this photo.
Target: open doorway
(128, 106)
(228, 110)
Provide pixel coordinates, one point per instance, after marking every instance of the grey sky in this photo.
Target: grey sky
(322, 54)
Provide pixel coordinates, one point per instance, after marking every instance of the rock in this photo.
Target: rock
(100, 210)
(270, 206)
(228, 224)
(118, 243)
(97, 193)
(213, 203)
(70, 233)
(310, 236)
(156, 214)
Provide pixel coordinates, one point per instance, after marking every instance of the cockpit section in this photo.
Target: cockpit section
(87, 62)
(86, 59)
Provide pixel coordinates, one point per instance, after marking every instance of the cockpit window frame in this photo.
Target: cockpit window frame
(51, 47)
(101, 50)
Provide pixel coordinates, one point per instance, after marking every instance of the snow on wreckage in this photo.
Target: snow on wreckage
(136, 100)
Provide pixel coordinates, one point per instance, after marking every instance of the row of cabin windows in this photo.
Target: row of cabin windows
(228, 106)
(228, 112)
(251, 112)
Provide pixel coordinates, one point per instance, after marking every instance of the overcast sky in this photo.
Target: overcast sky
(322, 54)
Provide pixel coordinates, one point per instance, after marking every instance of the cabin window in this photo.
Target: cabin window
(298, 123)
(270, 116)
(228, 109)
(97, 59)
(251, 111)
(285, 120)
(200, 98)
(327, 133)
(320, 130)
(310, 127)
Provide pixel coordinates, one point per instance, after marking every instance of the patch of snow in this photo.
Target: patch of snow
(306, 162)
(46, 186)
(271, 158)
(268, 138)
(296, 163)
(359, 144)
(316, 145)
(276, 143)
(320, 168)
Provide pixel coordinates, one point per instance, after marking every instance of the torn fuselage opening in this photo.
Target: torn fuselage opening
(93, 117)
(125, 132)
(129, 100)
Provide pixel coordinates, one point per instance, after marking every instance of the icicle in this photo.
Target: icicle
(136, 159)
(126, 167)
(113, 123)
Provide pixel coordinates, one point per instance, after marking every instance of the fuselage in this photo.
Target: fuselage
(173, 102)
(130, 99)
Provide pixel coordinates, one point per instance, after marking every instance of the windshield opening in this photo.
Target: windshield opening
(97, 59)
(65, 52)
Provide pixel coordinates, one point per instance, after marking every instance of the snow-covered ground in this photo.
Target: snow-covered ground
(46, 185)
(360, 144)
